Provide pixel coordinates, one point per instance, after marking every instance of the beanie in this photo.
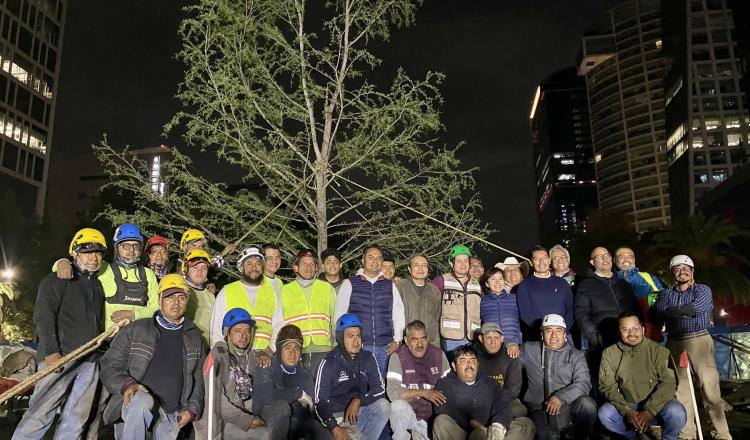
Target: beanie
(288, 333)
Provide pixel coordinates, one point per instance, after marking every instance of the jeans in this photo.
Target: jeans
(403, 420)
(370, 421)
(138, 416)
(73, 389)
(381, 357)
(671, 418)
(579, 416)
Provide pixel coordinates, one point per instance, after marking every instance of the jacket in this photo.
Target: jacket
(567, 374)
(341, 378)
(127, 359)
(424, 307)
(598, 303)
(646, 288)
(289, 385)
(502, 309)
(483, 401)
(643, 374)
(506, 371)
(373, 305)
(68, 313)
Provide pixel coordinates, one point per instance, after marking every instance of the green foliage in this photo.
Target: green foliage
(282, 93)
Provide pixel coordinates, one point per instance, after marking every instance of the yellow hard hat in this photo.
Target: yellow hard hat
(191, 235)
(171, 283)
(195, 254)
(87, 240)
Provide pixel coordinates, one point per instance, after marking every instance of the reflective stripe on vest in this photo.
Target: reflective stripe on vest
(460, 314)
(262, 311)
(312, 317)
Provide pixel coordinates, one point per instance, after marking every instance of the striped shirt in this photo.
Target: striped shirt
(698, 296)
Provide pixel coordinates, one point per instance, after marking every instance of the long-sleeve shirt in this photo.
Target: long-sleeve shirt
(502, 368)
(220, 309)
(484, 401)
(502, 309)
(537, 297)
(397, 311)
(687, 311)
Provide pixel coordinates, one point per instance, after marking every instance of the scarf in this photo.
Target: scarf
(243, 381)
(159, 269)
(167, 324)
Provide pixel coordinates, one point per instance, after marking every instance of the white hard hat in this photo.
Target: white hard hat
(681, 259)
(509, 261)
(553, 320)
(250, 251)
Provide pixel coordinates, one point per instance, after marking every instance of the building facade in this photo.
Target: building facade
(31, 34)
(563, 156)
(622, 62)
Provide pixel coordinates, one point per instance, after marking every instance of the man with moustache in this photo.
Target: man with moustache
(421, 298)
(475, 407)
(413, 371)
(558, 384)
(257, 296)
(646, 288)
(476, 268)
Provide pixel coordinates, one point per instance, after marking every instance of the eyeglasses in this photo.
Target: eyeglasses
(130, 246)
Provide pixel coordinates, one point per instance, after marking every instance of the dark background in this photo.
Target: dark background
(119, 77)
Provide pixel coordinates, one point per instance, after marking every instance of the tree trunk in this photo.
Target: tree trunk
(321, 213)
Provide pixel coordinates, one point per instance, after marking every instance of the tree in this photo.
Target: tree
(282, 92)
(710, 243)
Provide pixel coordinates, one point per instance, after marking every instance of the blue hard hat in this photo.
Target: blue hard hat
(127, 231)
(348, 320)
(236, 316)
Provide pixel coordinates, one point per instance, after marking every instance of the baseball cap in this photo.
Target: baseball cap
(553, 320)
(489, 327)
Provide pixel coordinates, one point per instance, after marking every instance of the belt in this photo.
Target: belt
(690, 335)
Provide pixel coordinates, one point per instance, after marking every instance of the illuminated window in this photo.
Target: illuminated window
(561, 177)
(734, 139)
(719, 175)
(567, 162)
(675, 137)
(698, 142)
(712, 124)
(733, 123)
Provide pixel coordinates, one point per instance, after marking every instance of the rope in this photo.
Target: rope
(73, 356)
(468, 234)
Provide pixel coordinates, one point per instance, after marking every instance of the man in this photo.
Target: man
(257, 296)
(71, 308)
(272, 251)
(200, 307)
(310, 304)
(295, 386)
(413, 371)
(349, 391)
(153, 369)
(422, 299)
(476, 268)
(638, 380)
(389, 267)
(558, 384)
(476, 407)
(542, 294)
(511, 273)
(497, 365)
(332, 268)
(686, 309)
(195, 239)
(157, 255)
(377, 303)
(560, 258)
(459, 317)
(600, 298)
(646, 288)
(243, 405)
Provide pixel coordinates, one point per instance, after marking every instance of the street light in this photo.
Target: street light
(8, 274)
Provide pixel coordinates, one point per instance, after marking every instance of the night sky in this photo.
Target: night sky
(119, 77)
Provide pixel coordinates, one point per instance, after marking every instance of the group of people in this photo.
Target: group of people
(467, 354)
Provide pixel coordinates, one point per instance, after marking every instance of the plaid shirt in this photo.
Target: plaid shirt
(697, 295)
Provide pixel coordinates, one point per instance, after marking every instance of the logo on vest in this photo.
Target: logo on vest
(343, 377)
(130, 298)
(434, 370)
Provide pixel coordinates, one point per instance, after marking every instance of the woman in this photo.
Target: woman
(499, 306)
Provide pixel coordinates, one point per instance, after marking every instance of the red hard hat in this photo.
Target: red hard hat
(156, 239)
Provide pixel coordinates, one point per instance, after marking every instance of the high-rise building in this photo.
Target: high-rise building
(621, 59)
(705, 105)
(564, 161)
(30, 45)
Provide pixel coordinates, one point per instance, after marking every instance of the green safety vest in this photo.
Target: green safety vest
(262, 311)
(312, 317)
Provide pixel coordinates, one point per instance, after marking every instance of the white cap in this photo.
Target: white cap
(509, 261)
(250, 251)
(681, 259)
(553, 320)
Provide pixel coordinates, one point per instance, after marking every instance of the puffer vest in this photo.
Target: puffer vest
(460, 316)
(421, 373)
(373, 305)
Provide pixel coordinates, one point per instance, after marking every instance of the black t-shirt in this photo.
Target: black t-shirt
(163, 376)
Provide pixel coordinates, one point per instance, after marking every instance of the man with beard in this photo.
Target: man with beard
(256, 295)
(349, 390)
(200, 307)
(153, 369)
(475, 406)
(558, 384)
(243, 404)
(310, 304)
(413, 371)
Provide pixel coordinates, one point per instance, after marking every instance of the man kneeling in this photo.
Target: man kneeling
(349, 391)
(242, 391)
(475, 407)
(636, 378)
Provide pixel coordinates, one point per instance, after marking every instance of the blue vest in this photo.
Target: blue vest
(373, 305)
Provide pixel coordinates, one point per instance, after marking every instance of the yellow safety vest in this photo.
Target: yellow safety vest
(654, 290)
(262, 311)
(312, 317)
